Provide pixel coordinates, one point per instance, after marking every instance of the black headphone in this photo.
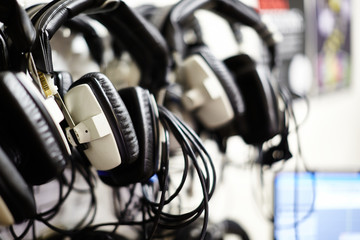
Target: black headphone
(116, 131)
(26, 114)
(254, 100)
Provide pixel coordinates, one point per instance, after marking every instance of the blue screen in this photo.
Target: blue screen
(313, 206)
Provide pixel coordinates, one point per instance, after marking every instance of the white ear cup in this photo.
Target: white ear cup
(92, 128)
(204, 93)
(6, 218)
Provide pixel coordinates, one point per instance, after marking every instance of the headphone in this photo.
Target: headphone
(205, 93)
(33, 150)
(250, 106)
(26, 114)
(117, 131)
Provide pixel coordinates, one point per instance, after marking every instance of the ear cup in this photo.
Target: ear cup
(137, 101)
(224, 76)
(63, 81)
(115, 112)
(262, 111)
(28, 127)
(15, 193)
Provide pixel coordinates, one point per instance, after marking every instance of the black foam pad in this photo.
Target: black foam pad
(14, 190)
(225, 78)
(137, 100)
(27, 126)
(262, 112)
(63, 81)
(115, 112)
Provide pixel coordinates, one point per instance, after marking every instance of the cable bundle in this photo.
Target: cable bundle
(193, 151)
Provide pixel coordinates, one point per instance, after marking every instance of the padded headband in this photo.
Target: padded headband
(52, 19)
(19, 26)
(231, 10)
(142, 40)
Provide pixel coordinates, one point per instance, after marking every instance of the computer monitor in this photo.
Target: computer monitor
(313, 206)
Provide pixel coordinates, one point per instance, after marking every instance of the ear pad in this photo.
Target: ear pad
(63, 81)
(115, 112)
(15, 193)
(224, 76)
(27, 126)
(138, 103)
(262, 111)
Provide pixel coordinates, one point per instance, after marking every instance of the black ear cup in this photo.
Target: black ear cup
(15, 193)
(63, 81)
(28, 127)
(138, 103)
(115, 112)
(224, 76)
(262, 117)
